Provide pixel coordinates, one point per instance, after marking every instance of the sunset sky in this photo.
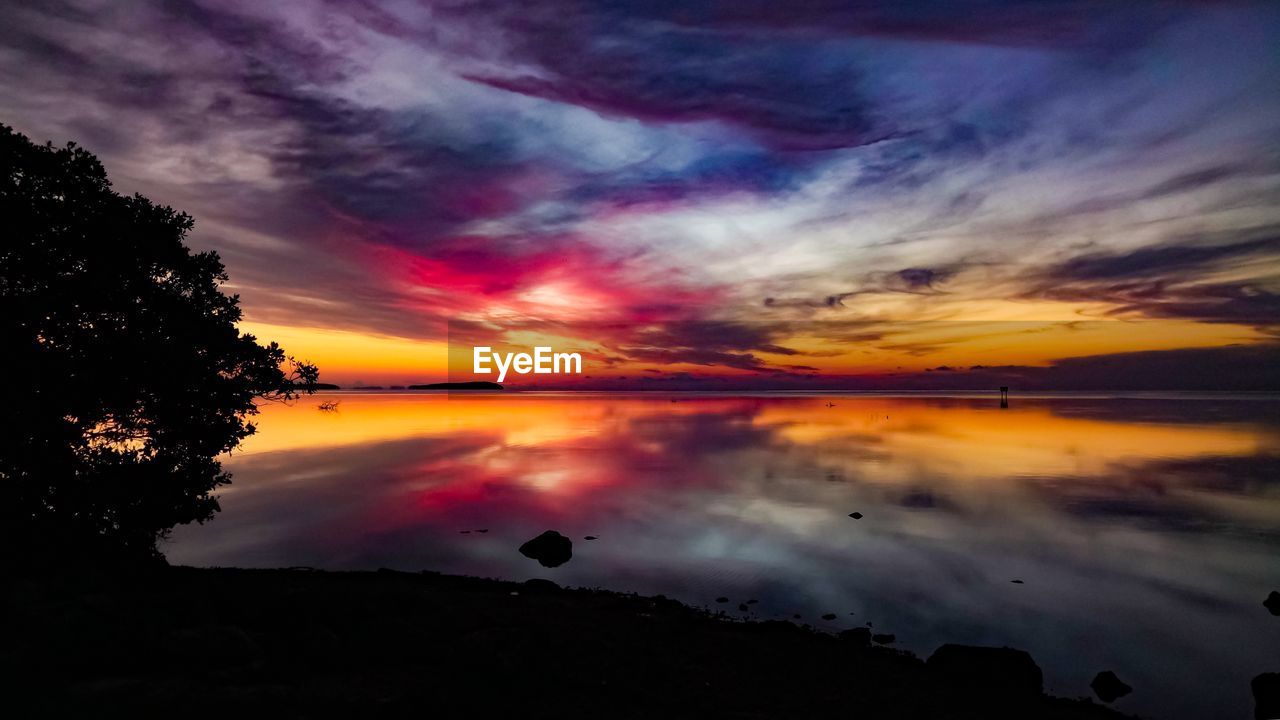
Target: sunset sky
(779, 194)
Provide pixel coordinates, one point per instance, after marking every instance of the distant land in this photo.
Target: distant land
(476, 385)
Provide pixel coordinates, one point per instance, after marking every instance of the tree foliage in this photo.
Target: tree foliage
(127, 376)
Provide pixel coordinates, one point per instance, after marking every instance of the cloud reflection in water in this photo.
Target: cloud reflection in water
(1145, 529)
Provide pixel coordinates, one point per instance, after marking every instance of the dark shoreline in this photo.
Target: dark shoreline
(309, 643)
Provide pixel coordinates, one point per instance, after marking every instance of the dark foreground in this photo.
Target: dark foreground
(212, 642)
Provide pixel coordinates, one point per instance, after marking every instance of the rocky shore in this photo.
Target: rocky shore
(302, 643)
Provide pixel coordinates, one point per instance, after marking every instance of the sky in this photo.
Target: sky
(1059, 194)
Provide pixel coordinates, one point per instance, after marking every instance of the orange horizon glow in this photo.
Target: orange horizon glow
(349, 357)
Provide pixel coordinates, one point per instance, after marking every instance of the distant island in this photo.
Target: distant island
(475, 385)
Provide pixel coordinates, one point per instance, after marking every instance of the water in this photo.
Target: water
(1145, 529)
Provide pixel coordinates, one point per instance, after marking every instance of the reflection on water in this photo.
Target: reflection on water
(1145, 530)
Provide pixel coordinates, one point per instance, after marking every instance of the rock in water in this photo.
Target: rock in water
(550, 549)
(1108, 687)
(1266, 696)
(541, 584)
(1272, 602)
(997, 676)
(855, 515)
(857, 636)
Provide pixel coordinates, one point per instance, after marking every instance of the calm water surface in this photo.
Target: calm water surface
(1146, 530)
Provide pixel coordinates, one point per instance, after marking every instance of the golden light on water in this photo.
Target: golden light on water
(966, 439)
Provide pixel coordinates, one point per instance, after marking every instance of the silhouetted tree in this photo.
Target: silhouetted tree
(127, 374)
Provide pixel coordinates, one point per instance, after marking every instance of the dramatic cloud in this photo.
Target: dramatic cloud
(1157, 262)
(1172, 281)
(389, 168)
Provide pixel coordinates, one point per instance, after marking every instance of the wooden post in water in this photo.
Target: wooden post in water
(1004, 397)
